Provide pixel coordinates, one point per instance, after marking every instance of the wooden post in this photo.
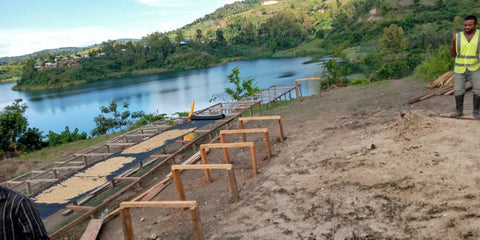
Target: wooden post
(197, 226)
(296, 91)
(267, 143)
(108, 148)
(85, 162)
(233, 184)
(29, 188)
(203, 155)
(127, 224)
(55, 174)
(254, 160)
(319, 86)
(178, 184)
(280, 126)
(260, 107)
(244, 136)
(225, 150)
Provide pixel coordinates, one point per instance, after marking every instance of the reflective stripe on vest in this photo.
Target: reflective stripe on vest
(468, 57)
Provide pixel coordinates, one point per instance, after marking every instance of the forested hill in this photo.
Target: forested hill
(388, 38)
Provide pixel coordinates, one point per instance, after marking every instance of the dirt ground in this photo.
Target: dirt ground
(358, 163)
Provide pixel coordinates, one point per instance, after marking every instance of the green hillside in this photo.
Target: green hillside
(380, 38)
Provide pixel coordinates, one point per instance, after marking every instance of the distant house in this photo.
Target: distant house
(65, 58)
(101, 54)
(48, 64)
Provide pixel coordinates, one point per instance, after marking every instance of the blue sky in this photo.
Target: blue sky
(27, 26)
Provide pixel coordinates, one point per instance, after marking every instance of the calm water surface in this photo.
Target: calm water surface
(163, 93)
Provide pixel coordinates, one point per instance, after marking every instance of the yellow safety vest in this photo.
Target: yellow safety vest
(467, 53)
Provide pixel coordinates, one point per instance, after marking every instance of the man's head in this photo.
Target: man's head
(469, 24)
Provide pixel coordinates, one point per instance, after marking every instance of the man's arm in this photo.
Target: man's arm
(453, 48)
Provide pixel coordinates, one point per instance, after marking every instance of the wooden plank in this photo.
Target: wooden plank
(154, 191)
(202, 166)
(92, 230)
(121, 144)
(245, 130)
(67, 167)
(40, 180)
(245, 119)
(307, 79)
(139, 135)
(227, 145)
(91, 154)
(160, 155)
(79, 208)
(159, 204)
(38, 171)
(183, 141)
(125, 178)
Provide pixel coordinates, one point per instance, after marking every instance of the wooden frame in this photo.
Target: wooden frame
(307, 79)
(243, 131)
(241, 120)
(179, 184)
(127, 220)
(224, 146)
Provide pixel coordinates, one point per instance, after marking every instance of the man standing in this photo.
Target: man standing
(19, 219)
(465, 48)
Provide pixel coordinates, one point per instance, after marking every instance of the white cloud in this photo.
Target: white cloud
(164, 3)
(20, 42)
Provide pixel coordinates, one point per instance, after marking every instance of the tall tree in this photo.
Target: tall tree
(392, 40)
(28, 70)
(179, 37)
(12, 125)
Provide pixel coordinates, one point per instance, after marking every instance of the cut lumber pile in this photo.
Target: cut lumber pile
(444, 80)
(444, 83)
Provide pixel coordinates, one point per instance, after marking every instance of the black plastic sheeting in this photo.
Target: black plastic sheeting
(47, 209)
(207, 117)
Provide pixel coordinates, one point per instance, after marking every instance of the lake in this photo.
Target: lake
(168, 93)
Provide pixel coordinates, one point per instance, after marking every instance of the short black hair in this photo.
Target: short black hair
(471, 17)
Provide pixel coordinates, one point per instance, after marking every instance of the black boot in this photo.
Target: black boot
(476, 106)
(459, 106)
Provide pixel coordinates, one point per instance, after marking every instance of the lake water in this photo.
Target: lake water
(167, 93)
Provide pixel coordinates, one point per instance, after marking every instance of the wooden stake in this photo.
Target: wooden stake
(197, 225)
(127, 224)
(203, 155)
(178, 184)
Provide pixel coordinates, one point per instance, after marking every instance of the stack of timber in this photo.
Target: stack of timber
(444, 83)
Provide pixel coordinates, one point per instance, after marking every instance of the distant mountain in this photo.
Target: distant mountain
(54, 51)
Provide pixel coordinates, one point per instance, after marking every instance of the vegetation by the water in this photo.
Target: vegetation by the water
(383, 37)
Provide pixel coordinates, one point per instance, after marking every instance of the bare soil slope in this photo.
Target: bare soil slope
(358, 163)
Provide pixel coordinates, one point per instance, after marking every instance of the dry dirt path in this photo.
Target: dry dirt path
(351, 168)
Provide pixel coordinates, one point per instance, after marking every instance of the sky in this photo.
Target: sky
(27, 26)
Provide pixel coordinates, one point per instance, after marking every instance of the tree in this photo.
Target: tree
(117, 120)
(219, 35)
(12, 125)
(179, 37)
(243, 88)
(28, 70)
(392, 40)
(199, 34)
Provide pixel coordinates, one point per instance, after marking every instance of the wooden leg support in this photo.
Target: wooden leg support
(178, 185)
(233, 185)
(203, 155)
(254, 160)
(127, 224)
(197, 225)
